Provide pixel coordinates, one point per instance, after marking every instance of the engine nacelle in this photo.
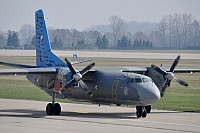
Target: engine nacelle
(156, 77)
(45, 81)
(64, 76)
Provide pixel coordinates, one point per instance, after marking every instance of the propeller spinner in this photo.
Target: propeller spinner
(169, 75)
(77, 75)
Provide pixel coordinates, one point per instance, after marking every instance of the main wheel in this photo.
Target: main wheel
(118, 104)
(57, 109)
(49, 109)
(144, 113)
(148, 108)
(139, 111)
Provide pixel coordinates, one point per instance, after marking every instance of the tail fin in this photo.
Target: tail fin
(44, 55)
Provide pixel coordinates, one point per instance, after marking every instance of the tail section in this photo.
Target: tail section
(44, 55)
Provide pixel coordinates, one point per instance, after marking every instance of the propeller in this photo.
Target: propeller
(77, 76)
(169, 75)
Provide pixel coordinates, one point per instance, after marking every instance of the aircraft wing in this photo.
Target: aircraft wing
(26, 71)
(186, 70)
(29, 66)
(17, 65)
(140, 70)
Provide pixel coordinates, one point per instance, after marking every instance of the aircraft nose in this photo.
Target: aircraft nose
(149, 94)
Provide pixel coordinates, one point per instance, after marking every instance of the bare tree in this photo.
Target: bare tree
(2, 41)
(26, 34)
(162, 28)
(195, 35)
(140, 35)
(171, 29)
(187, 23)
(177, 25)
(118, 26)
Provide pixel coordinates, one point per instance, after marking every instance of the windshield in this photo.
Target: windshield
(137, 79)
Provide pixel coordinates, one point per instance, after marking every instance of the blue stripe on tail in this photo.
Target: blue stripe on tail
(44, 55)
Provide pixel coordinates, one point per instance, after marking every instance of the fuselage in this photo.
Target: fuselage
(107, 86)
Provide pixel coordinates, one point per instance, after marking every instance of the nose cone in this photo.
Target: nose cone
(148, 94)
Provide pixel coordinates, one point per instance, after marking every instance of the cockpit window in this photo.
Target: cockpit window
(150, 80)
(145, 80)
(137, 79)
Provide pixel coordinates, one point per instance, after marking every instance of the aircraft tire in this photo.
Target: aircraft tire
(148, 108)
(57, 109)
(118, 104)
(49, 109)
(139, 111)
(144, 113)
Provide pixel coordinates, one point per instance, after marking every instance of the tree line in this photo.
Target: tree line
(178, 31)
(174, 31)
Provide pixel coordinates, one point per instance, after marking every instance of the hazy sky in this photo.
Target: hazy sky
(81, 14)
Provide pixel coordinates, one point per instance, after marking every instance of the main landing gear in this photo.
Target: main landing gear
(53, 108)
(141, 111)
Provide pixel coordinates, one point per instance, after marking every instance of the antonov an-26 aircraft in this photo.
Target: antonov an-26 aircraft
(141, 87)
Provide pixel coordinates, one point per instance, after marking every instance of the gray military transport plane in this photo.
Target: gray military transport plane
(141, 87)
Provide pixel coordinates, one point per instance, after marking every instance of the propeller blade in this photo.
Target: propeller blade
(174, 64)
(181, 82)
(70, 66)
(69, 81)
(161, 71)
(85, 87)
(78, 76)
(164, 87)
(86, 69)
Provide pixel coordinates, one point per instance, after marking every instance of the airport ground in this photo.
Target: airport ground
(29, 116)
(19, 116)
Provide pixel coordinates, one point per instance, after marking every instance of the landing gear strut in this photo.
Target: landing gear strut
(53, 108)
(141, 111)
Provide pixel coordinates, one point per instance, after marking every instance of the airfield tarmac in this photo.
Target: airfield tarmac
(112, 54)
(30, 116)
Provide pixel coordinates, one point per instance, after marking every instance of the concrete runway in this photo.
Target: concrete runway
(29, 116)
(111, 54)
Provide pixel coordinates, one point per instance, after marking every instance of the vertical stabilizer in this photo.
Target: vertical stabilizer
(44, 55)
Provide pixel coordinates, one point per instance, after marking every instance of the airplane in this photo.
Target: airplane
(139, 86)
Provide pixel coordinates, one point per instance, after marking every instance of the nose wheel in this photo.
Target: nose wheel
(141, 112)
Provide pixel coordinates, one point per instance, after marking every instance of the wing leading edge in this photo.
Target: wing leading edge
(145, 69)
(17, 65)
(26, 71)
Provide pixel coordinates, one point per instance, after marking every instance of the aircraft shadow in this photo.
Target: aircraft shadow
(40, 114)
(22, 113)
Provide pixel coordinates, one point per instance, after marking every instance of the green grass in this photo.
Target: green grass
(176, 97)
(182, 98)
(18, 88)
